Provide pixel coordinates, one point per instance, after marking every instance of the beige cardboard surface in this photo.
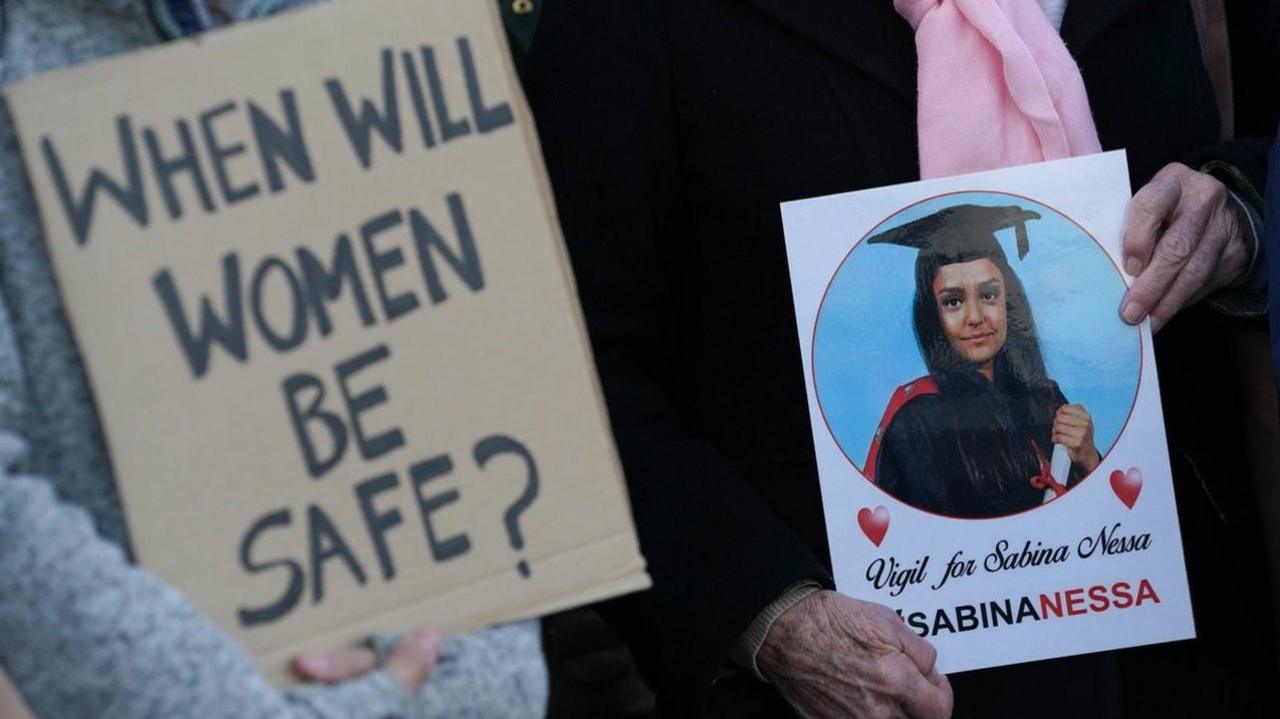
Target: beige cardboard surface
(11, 705)
(452, 355)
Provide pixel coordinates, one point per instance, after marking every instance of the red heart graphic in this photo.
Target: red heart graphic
(874, 524)
(1127, 485)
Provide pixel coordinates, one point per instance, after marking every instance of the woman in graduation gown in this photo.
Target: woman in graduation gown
(974, 437)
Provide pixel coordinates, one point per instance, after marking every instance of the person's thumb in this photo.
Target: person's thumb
(414, 658)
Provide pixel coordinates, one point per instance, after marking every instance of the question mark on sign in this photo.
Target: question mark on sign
(487, 449)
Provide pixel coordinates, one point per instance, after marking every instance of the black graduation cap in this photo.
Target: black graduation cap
(961, 231)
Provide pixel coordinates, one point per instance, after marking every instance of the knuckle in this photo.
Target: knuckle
(881, 711)
(1145, 292)
(1177, 246)
(896, 679)
(1200, 267)
(1142, 203)
(1143, 211)
(1169, 175)
(930, 656)
(1215, 191)
(947, 704)
(1207, 184)
(885, 614)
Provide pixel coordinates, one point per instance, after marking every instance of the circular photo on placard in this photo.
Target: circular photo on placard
(969, 358)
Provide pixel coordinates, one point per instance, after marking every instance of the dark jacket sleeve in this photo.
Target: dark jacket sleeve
(1272, 240)
(598, 80)
(1240, 163)
(1253, 31)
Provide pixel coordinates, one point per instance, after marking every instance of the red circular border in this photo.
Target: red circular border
(813, 343)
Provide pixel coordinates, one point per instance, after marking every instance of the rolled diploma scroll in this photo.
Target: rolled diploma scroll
(1060, 468)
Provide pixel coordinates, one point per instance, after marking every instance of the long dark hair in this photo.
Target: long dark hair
(991, 422)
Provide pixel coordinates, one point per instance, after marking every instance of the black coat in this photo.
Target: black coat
(672, 129)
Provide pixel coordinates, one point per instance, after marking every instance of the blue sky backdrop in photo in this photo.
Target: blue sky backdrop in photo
(865, 345)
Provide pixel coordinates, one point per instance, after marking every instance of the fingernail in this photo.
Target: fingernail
(427, 639)
(1132, 313)
(314, 664)
(1133, 266)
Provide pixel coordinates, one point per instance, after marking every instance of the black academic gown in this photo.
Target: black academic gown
(672, 129)
(924, 458)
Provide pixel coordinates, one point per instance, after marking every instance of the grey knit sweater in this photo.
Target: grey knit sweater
(83, 633)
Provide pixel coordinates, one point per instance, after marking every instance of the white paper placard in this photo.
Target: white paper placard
(1099, 567)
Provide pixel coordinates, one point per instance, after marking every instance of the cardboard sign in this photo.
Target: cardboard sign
(314, 269)
(11, 705)
(988, 431)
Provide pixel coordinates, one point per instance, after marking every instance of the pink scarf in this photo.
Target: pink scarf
(997, 87)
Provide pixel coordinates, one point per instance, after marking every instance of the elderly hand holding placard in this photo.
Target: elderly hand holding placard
(301, 290)
(1186, 237)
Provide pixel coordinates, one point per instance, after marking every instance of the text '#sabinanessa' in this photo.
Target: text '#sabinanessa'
(1060, 604)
